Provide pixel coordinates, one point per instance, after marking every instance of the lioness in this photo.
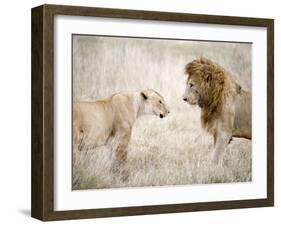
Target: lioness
(110, 121)
(225, 106)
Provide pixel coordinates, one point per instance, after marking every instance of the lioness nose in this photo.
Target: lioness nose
(185, 99)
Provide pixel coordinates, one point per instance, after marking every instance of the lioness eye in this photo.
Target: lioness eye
(191, 85)
(160, 101)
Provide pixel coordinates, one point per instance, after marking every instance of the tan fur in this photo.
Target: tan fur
(225, 106)
(110, 121)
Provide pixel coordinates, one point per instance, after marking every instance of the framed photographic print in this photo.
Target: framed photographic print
(141, 112)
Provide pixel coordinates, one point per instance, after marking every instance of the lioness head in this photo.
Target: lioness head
(153, 103)
(204, 82)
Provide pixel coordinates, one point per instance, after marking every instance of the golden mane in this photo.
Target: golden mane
(215, 86)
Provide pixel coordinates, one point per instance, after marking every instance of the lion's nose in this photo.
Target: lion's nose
(185, 99)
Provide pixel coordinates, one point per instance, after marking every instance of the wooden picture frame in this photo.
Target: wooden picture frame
(42, 203)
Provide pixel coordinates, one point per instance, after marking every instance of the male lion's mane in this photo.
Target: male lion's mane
(216, 86)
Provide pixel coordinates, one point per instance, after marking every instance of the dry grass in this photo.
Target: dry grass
(171, 151)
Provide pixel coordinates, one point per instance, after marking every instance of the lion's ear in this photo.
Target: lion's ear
(143, 95)
(208, 77)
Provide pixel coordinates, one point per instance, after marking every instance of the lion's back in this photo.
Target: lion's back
(243, 115)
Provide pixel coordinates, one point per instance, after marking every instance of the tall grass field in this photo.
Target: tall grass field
(170, 151)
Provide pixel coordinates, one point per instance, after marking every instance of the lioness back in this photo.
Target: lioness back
(94, 120)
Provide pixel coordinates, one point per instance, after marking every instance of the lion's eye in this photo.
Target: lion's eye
(191, 85)
(160, 101)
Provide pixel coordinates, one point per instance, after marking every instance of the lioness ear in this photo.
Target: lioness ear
(144, 96)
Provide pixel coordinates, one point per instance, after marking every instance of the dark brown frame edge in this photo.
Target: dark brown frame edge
(42, 194)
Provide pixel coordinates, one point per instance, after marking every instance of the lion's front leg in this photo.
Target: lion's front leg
(222, 135)
(221, 141)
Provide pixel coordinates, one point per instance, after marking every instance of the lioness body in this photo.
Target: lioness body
(225, 106)
(110, 121)
(95, 122)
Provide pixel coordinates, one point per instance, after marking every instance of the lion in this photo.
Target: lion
(225, 105)
(110, 121)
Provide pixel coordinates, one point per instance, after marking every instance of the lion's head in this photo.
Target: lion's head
(205, 82)
(207, 85)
